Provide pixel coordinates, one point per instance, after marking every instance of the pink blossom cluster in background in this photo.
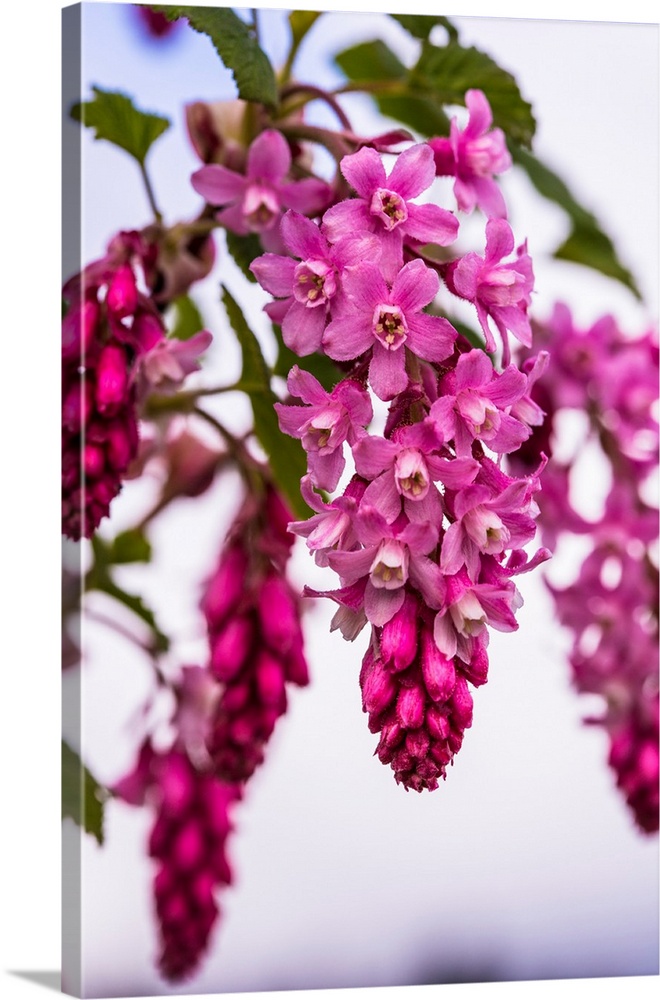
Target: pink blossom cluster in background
(428, 534)
(612, 605)
(114, 352)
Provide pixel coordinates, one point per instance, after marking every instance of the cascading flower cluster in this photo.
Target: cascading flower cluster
(192, 822)
(612, 606)
(114, 351)
(256, 643)
(429, 531)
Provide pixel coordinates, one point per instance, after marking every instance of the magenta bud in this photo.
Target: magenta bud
(398, 644)
(230, 647)
(235, 698)
(270, 678)
(417, 743)
(122, 296)
(278, 613)
(378, 689)
(111, 378)
(77, 406)
(437, 723)
(295, 667)
(410, 707)
(78, 328)
(120, 445)
(176, 783)
(461, 703)
(188, 848)
(476, 670)
(93, 461)
(438, 670)
(225, 588)
(147, 331)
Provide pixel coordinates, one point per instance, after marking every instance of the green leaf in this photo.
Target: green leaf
(244, 249)
(300, 22)
(421, 25)
(236, 45)
(286, 456)
(371, 61)
(187, 318)
(587, 244)
(450, 70)
(115, 118)
(319, 365)
(82, 796)
(130, 546)
(423, 114)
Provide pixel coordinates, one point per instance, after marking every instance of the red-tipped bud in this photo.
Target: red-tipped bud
(410, 707)
(398, 642)
(111, 379)
(438, 670)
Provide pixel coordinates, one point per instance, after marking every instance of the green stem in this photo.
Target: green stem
(314, 93)
(150, 195)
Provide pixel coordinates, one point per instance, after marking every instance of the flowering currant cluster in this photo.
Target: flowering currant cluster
(191, 825)
(612, 606)
(256, 643)
(429, 531)
(114, 352)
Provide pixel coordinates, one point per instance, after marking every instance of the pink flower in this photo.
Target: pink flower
(391, 555)
(254, 202)
(474, 403)
(473, 156)
(499, 291)
(165, 366)
(332, 526)
(309, 289)
(385, 320)
(402, 471)
(384, 204)
(325, 423)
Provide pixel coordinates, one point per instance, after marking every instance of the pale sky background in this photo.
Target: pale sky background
(525, 863)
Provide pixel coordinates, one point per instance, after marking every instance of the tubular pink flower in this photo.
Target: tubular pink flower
(384, 204)
(473, 156)
(383, 320)
(254, 202)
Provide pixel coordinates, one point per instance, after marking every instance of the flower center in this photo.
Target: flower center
(389, 570)
(389, 207)
(314, 283)
(468, 616)
(261, 208)
(411, 475)
(390, 327)
(318, 434)
(479, 414)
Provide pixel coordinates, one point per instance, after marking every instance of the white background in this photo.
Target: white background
(30, 719)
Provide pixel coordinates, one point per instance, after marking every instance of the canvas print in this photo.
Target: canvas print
(359, 500)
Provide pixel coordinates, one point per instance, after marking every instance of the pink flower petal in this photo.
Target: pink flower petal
(387, 372)
(302, 329)
(431, 337)
(302, 237)
(269, 157)
(274, 273)
(415, 286)
(413, 172)
(364, 171)
(217, 184)
(431, 224)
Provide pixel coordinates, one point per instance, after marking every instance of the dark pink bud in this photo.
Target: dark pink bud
(438, 670)
(78, 328)
(398, 644)
(437, 723)
(188, 847)
(230, 647)
(461, 703)
(378, 689)
(77, 406)
(476, 670)
(176, 783)
(147, 331)
(225, 588)
(295, 666)
(121, 444)
(417, 743)
(122, 296)
(93, 460)
(410, 707)
(111, 378)
(235, 698)
(270, 678)
(132, 788)
(278, 612)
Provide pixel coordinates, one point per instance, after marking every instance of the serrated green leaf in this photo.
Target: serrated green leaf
(423, 114)
(451, 70)
(188, 320)
(285, 454)
(244, 249)
(319, 365)
(237, 47)
(115, 118)
(130, 546)
(82, 795)
(587, 244)
(421, 25)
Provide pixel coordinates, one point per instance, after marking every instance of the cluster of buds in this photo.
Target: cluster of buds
(612, 606)
(256, 643)
(188, 842)
(429, 567)
(114, 352)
